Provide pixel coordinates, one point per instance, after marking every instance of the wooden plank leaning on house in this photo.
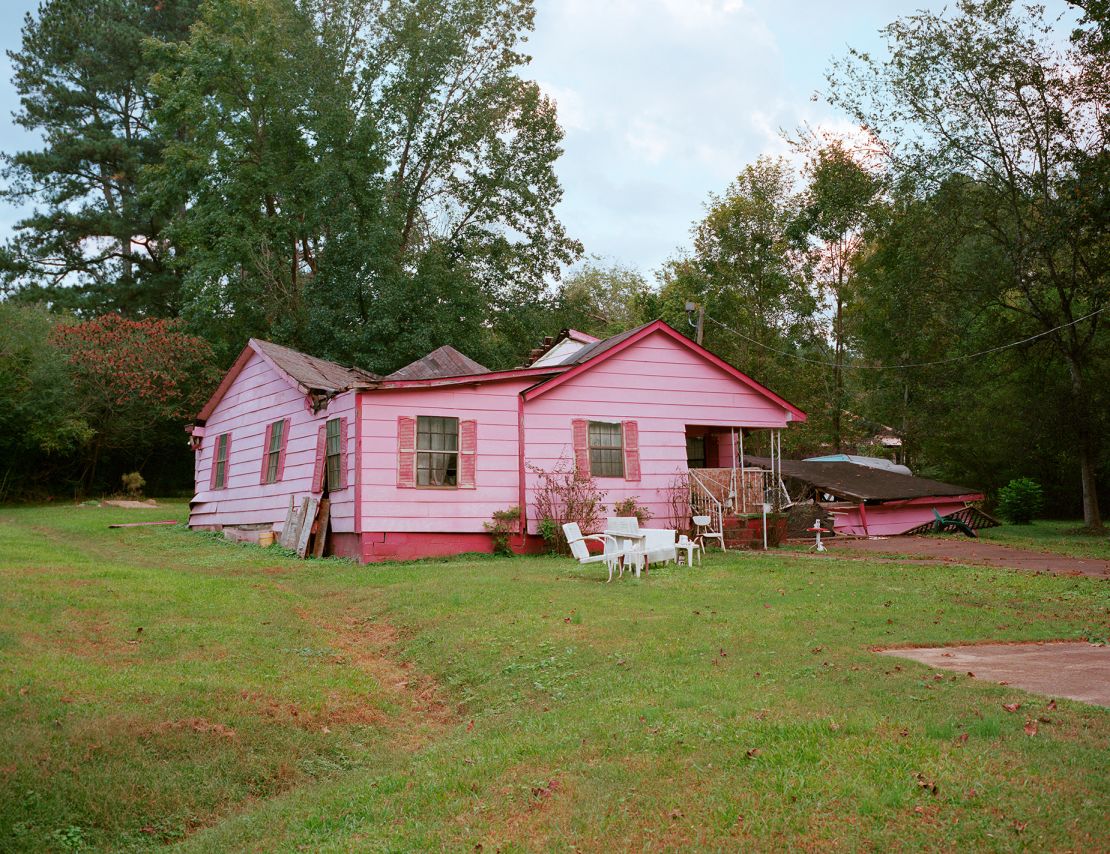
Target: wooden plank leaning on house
(323, 518)
(309, 506)
(290, 529)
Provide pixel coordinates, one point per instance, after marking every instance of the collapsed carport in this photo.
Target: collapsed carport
(866, 501)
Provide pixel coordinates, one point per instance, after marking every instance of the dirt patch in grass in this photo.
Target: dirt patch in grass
(199, 725)
(371, 645)
(966, 551)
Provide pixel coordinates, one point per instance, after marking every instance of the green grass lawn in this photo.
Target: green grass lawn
(160, 686)
(1051, 535)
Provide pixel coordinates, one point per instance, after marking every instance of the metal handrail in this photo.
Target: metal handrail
(706, 497)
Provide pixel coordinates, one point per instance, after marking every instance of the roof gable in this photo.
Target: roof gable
(442, 362)
(595, 354)
(308, 373)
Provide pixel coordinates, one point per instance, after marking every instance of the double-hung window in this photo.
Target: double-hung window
(273, 452)
(334, 455)
(606, 449)
(219, 479)
(437, 451)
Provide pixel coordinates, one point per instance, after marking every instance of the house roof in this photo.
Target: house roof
(862, 483)
(309, 373)
(444, 361)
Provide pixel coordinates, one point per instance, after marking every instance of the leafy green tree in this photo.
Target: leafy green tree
(367, 180)
(835, 210)
(38, 421)
(91, 242)
(604, 300)
(985, 93)
(751, 272)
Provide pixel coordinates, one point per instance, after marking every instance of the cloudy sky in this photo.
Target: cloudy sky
(663, 101)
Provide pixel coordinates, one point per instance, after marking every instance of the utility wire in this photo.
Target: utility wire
(947, 361)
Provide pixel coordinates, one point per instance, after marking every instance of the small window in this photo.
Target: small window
(437, 451)
(606, 449)
(220, 480)
(695, 452)
(334, 457)
(273, 453)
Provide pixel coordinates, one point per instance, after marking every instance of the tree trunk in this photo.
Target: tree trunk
(1085, 449)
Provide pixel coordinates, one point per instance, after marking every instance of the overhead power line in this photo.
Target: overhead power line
(936, 363)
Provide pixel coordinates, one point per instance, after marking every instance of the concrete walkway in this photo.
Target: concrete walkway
(1079, 671)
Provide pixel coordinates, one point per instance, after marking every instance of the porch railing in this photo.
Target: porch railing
(704, 503)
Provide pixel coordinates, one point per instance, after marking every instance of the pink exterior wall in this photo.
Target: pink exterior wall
(386, 507)
(661, 385)
(888, 520)
(259, 396)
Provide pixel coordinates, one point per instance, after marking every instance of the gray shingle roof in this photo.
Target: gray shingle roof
(863, 483)
(444, 361)
(313, 373)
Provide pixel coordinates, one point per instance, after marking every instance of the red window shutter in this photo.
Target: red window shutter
(343, 480)
(406, 451)
(266, 452)
(581, 448)
(468, 454)
(281, 450)
(321, 454)
(631, 450)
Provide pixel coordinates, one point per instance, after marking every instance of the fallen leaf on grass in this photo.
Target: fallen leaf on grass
(147, 829)
(470, 726)
(1051, 705)
(816, 649)
(972, 675)
(1011, 707)
(1030, 727)
(1019, 826)
(676, 815)
(754, 752)
(961, 739)
(928, 785)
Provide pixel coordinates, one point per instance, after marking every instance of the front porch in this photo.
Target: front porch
(731, 493)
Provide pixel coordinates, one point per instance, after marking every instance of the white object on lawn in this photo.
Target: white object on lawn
(659, 545)
(611, 555)
(701, 525)
(687, 548)
(626, 531)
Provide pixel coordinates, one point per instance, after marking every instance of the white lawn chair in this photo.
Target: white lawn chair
(660, 545)
(611, 555)
(701, 526)
(626, 531)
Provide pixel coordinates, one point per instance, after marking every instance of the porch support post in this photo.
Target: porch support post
(743, 478)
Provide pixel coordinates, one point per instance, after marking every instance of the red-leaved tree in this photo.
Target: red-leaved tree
(135, 381)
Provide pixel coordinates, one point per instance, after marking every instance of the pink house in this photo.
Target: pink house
(415, 462)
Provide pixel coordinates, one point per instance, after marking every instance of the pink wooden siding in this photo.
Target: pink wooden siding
(893, 518)
(390, 507)
(663, 387)
(259, 396)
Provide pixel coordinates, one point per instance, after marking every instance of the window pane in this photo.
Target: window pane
(435, 468)
(275, 436)
(271, 467)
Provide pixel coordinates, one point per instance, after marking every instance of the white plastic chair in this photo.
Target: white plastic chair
(701, 526)
(660, 545)
(611, 555)
(626, 531)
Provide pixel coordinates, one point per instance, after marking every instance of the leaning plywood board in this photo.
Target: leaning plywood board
(310, 506)
(289, 530)
(321, 528)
